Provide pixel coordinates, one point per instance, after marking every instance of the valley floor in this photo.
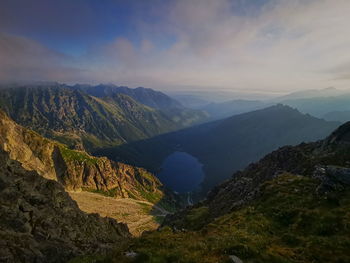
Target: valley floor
(138, 215)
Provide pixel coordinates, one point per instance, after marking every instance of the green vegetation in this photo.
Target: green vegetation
(289, 223)
(71, 155)
(158, 198)
(196, 216)
(152, 197)
(146, 208)
(87, 259)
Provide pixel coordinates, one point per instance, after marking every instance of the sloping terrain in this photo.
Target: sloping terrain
(320, 106)
(139, 215)
(232, 107)
(149, 97)
(291, 206)
(82, 121)
(76, 170)
(227, 145)
(39, 222)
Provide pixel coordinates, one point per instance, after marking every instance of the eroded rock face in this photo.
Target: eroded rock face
(75, 170)
(29, 148)
(39, 222)
(118, 179)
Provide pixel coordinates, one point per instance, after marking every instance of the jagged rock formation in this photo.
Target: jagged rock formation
(76, 170)
(39, 222)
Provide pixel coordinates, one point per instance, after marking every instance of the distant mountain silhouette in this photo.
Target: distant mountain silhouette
(232, 107)
(146, 96)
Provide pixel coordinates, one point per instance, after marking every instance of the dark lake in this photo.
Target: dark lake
(181, 172)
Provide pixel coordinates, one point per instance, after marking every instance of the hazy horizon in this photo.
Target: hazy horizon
(265, 47)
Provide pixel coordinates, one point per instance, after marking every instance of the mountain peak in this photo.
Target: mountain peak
(146, 96)
(340, 135)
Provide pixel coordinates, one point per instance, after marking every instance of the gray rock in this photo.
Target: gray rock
(39, 222)
(235, 259)
(331, 178)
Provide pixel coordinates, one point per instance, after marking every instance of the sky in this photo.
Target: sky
(266, 46)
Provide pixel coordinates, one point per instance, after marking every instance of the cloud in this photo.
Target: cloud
(285, 45)
(278, 45)
(26, 60)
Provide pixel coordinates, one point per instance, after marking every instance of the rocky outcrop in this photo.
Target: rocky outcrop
(39, 222)
(332, 178)
(30, 149)
(77, 170)
(100, 174)
(340, 136)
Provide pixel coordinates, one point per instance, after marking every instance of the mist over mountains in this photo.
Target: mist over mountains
(329, 103)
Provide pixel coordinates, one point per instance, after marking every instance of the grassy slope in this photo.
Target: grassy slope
(289, 223)
(138, 215)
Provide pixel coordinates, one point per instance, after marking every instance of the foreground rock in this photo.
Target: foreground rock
(39, 222)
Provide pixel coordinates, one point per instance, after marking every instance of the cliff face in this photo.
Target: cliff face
(76, 170)
(79, 171)
(30, 149)
(39, 222)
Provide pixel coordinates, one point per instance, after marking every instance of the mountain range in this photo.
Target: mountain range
(146, 96)
(82, 121)
(330, 104)
(291, 206)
